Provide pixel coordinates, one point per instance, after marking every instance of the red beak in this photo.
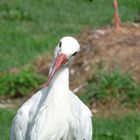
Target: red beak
(59, 61)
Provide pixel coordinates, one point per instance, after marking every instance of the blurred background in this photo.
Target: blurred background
(105, 75)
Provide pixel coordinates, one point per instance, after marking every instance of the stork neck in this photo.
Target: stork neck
(61, 78)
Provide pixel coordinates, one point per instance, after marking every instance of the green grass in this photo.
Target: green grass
(111, 128)
(116, 128)
(6, 117)
(20, 83)
(30, 28)
(106, 85)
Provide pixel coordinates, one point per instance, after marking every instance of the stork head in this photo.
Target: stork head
(65, 51)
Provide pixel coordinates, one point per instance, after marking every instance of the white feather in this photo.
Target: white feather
(53, 113)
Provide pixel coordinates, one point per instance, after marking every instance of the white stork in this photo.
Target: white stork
(55, 112)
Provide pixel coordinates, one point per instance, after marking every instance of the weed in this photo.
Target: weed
(20, 83)
(112, 84)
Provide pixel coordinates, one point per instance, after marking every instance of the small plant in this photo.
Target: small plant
(14, 13)
(20, 83)
(112, 84)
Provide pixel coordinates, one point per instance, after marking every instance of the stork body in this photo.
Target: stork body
(54, 113)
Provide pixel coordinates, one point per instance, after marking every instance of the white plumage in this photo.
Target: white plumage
(55, 113)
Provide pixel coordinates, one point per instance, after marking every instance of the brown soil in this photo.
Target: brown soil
(108, 48)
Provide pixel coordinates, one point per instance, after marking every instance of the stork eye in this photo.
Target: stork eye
(60, 44)
(74, 54)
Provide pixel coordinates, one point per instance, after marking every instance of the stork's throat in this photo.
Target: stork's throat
(61, 78)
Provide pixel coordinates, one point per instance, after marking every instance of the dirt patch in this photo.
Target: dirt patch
(108, 48)
(113, 107)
